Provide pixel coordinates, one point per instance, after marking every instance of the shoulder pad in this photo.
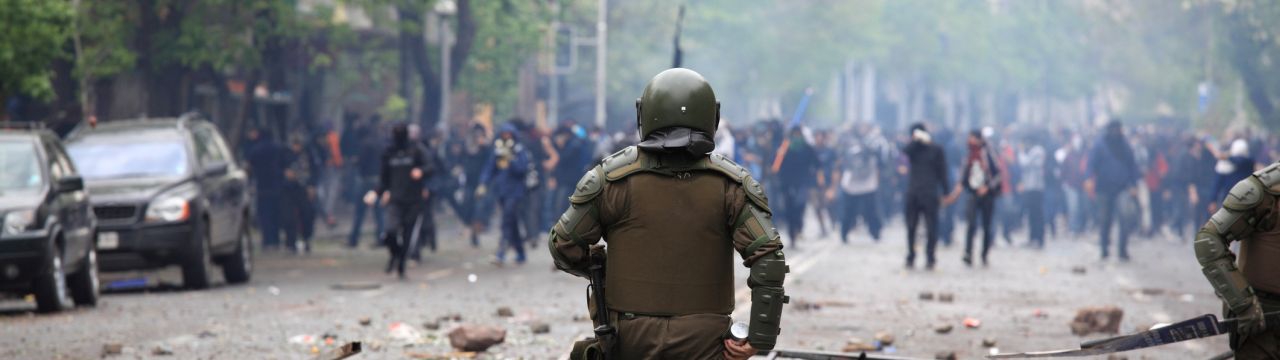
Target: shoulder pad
(727, 167)
(588, 187)
(1245, 195)
(1270, 178)
(622, 163)
(755, 192)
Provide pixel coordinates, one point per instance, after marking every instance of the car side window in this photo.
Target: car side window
(60, 154)
(219, 146)
(206, 150)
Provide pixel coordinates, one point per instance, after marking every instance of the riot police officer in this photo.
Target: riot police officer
(672, 216)
(1250, 214)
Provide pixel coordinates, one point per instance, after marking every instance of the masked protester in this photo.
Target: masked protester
(506, 173)
(401, 189)
(927, 182)
(1113, 172)
(668, 196)
(980, 177)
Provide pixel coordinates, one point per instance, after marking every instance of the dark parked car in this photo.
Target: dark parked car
(47, 240)
(167, 192)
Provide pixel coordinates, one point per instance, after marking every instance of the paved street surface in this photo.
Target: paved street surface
(1024, 300)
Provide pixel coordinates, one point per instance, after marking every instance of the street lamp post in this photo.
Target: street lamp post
(444, 9)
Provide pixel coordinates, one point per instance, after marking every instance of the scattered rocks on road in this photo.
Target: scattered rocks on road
(1105, 319)
(857, 346)
(1078, 270)
(945, 355)
(885, 338)
(946, 297)
(431, 325)
(477, 338)
(988, 342)
(539, 327)
(926, 296)
(972, 323)
(365, 321)
(161, 350)
(943, 328)
(505, 312)
(802, 305)
(112, 349)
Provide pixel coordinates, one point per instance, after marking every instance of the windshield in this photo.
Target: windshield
(129, 156)
(21, 167)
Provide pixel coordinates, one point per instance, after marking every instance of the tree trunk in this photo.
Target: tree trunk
(1245, 59)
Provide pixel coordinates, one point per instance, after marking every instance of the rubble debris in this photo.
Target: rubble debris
(477, 338)
(802, 305)
(365, 321)
(356, 285)
(302, 339)
(206, 334)
(1105, 319)
(857, 345)
(328, 339)
(972, 323)
(943, 328)
(539, 327)
(403, 332)
(946, 297)
(505, 312)
(1078, 270)
(111, 349)
(945, 355)
(1039, 314)
(1152, 291)
(885, 338)
(431, 325)
(161, 350)
(455, 317)
(988, 342)
(926, 296)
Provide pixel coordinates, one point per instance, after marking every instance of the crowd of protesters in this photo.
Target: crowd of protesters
(1144, 180)
(1111, 181)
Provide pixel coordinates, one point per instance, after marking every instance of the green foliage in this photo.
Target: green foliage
(508, 35)
(32, 35)
(104, 28)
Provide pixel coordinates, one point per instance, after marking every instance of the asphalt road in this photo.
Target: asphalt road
(840, 294)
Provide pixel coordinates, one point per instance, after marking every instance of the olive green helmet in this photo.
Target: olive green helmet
(677, 97)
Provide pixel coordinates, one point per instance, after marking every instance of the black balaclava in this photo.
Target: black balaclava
(400, 136)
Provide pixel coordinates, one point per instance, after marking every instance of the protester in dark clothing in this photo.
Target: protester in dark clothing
(980, 177)
(797, 173)
(402, 189)
(266, 160)
(430, 178)
(1112, 173)
(1198, 177)
(927, 181)
(299, 217)
(368, 168)
(478, 151)
(505, 173)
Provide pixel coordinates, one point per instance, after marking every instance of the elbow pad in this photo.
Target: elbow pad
(767, 296)
(1218, 265)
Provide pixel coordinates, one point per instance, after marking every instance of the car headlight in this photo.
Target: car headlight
(19, 221)
(168, 209)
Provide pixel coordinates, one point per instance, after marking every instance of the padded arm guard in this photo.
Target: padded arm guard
(1236, 220)
(1219, 267)
(767, 297)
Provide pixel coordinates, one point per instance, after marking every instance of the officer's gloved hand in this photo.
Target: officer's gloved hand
(1250, 320)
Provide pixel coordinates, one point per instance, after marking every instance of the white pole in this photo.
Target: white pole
(445, 77)
(602, 31)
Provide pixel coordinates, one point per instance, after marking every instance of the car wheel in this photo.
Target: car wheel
(84, 284)
(51, 287)
(238, 266)
(197, 261)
